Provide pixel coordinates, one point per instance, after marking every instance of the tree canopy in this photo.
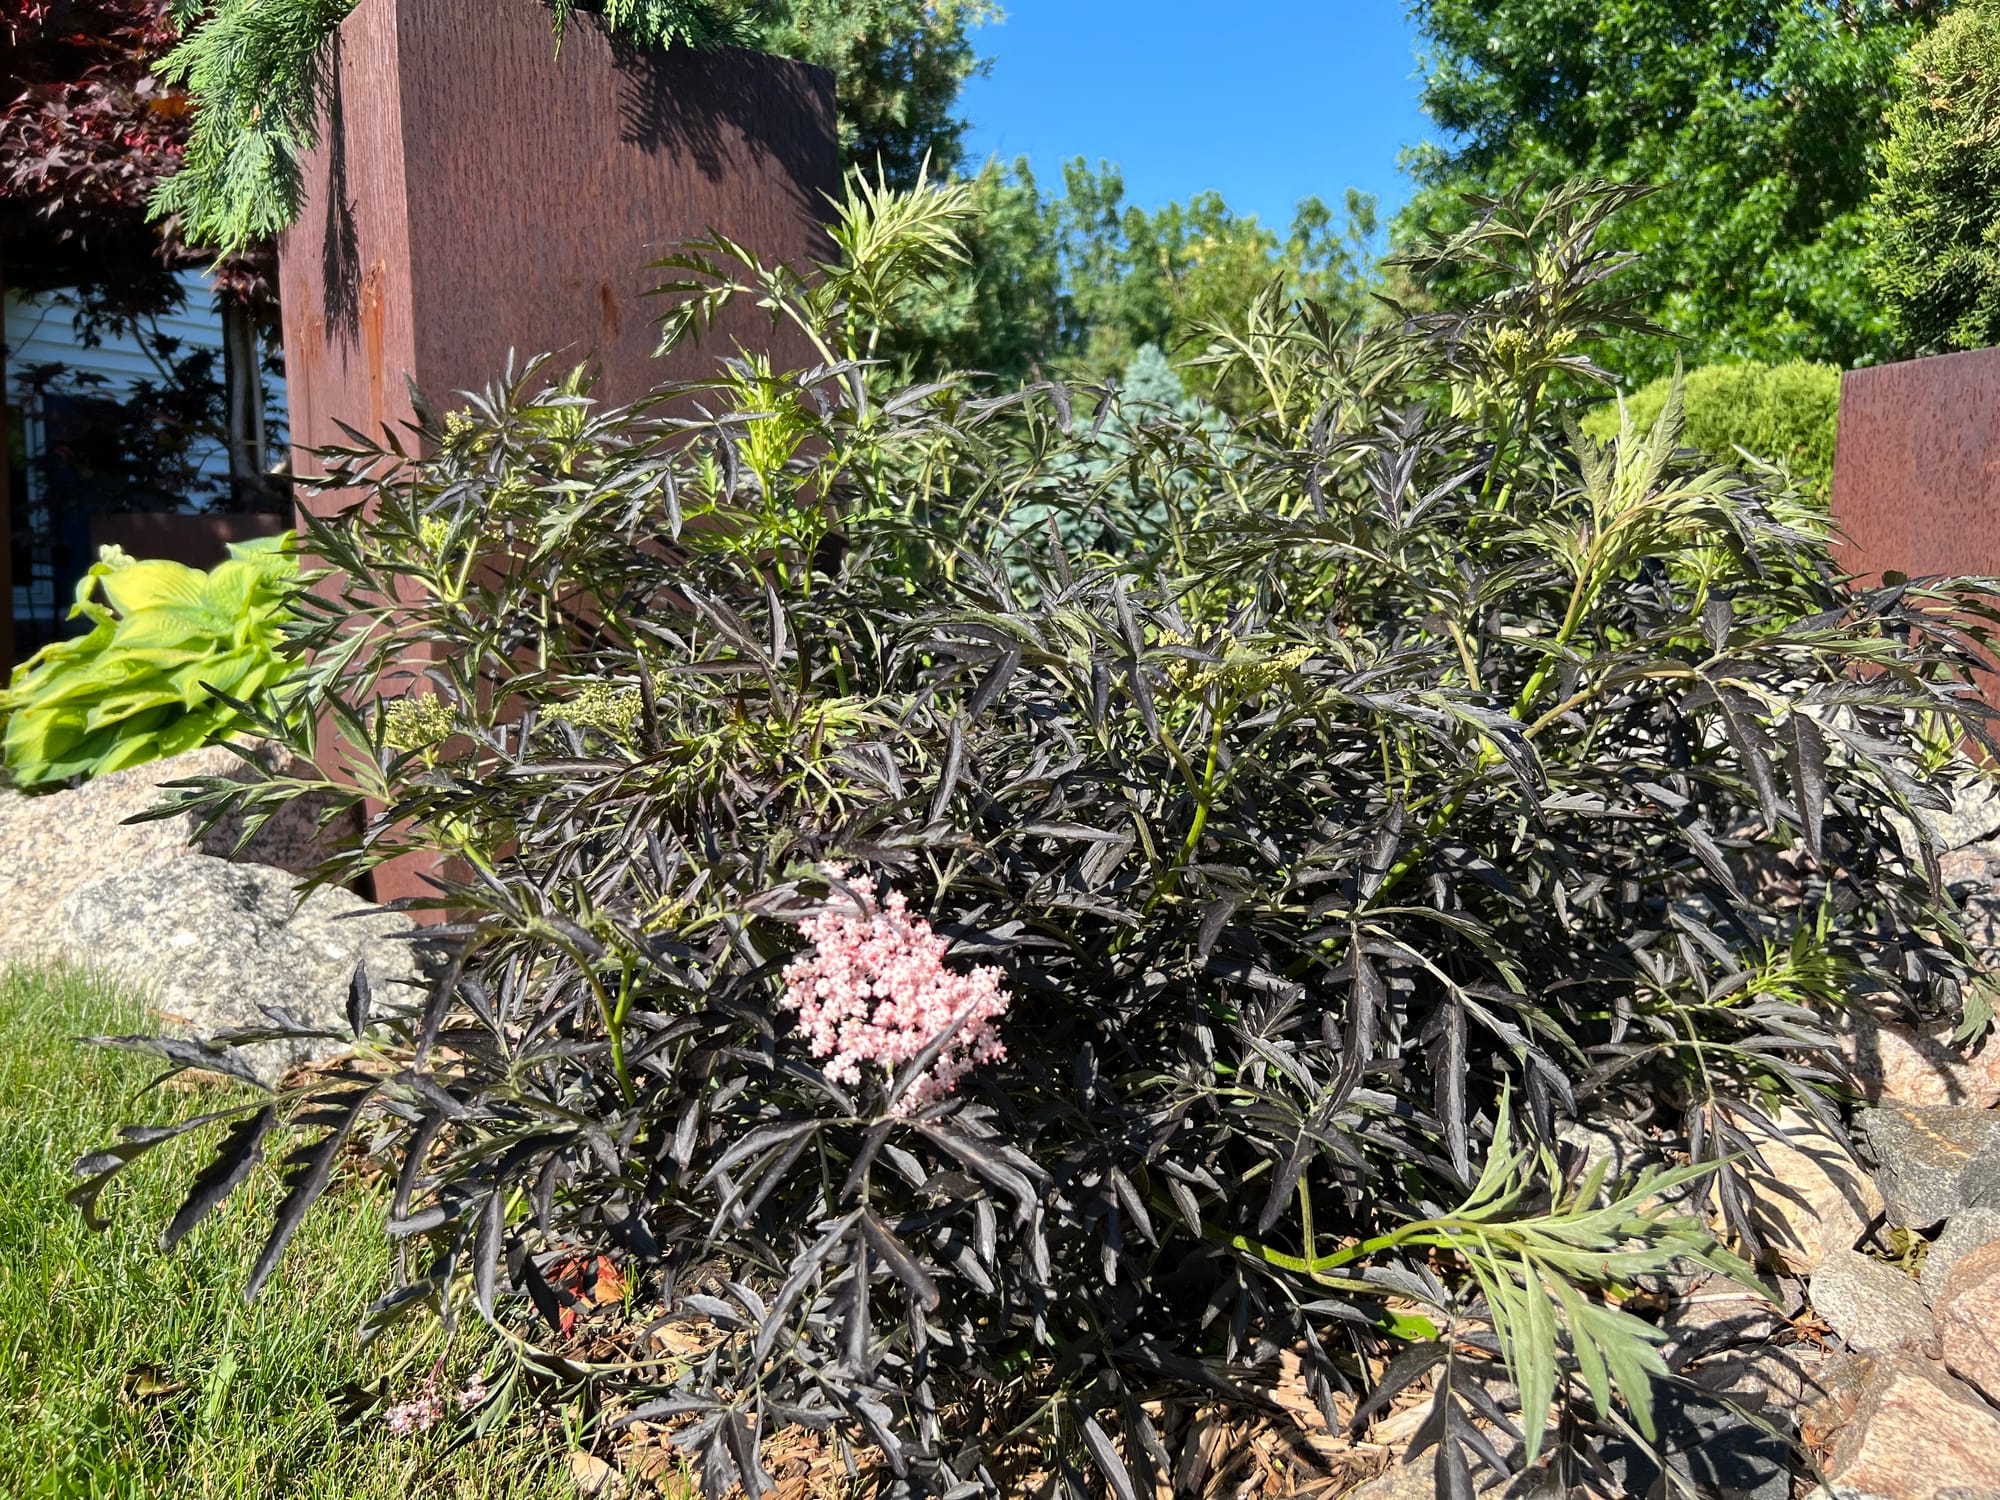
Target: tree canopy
(1078, 282)
(202, 108)
(87, 134)
(1935, 253)
(1761, 121)
(898, 66)
(254, 72)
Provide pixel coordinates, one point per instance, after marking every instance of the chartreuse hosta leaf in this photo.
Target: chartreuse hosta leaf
(165, 639)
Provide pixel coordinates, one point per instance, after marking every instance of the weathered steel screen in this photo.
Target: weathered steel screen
(1916, 470)
(476, 190)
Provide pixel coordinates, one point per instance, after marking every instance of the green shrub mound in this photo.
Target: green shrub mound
(1934, 248)
(1401, 783)
(1786, 414)
(169, 649)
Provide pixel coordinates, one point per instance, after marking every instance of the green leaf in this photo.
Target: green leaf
(155, 585)
(1535, 1351)
(140, 685)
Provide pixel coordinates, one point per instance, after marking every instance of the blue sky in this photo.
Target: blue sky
(1264, 101)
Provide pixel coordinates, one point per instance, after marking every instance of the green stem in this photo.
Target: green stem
(1316, 1266)
(1205, 796)
(614, 1014)
(1579, 601)
(1530, 400)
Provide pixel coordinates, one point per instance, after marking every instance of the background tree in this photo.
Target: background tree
(1005, 308)
(898, 67)
(256, 71)
(1761, 120)
(1159, 277)
(1078, 283)
(86, 135)
(1935, 249)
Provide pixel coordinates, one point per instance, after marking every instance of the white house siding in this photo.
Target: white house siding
(39, 331)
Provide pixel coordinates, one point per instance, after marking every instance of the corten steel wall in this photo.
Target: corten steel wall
(477, 191)
(200, 541)
(1916, 468)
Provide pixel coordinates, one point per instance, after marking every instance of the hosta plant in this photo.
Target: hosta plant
(1011, 991)
(170, 651)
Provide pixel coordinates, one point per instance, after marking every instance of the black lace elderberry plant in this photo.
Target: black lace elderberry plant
(1421, 777)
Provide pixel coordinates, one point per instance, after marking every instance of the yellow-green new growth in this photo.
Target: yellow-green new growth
(1239, 674)
(614, 711)
(419, 723)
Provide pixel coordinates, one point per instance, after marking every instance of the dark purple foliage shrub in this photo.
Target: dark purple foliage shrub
(1347, 793)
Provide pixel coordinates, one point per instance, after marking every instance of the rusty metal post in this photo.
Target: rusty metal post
(1916, 468)
(1916, 473)
(477, 192)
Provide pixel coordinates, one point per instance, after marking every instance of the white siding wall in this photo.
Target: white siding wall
(39, 331)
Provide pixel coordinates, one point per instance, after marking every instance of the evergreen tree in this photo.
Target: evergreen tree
(1935, 250)
(256, 72)
(898, 66)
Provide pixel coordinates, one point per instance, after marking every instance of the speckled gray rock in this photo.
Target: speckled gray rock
(1806, 1195)
(1400, 1482)
(1968, 1230)
(1979, 1183)
(1711, 1446)
(52, 843)
(1972, 874)
(1968, 1319)
(1974, 817)
(211, 943)
(1712, 1314)
(1924, 1155)
(1618, 1146)
(1968, 838)
(1873, 1307)
(1917, 1063)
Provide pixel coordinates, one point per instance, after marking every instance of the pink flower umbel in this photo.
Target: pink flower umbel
(425, 1409)
(875, 990)
(420, 1413)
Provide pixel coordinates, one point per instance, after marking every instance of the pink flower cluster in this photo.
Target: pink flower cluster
(875, 990)
(420, 1413)
(425, 1410)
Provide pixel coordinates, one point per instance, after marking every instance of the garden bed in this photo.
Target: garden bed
(1069, 952)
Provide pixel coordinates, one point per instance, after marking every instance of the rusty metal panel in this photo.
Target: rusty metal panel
(1916, 469)
(548, 214)
(476, 191)
(353, 233)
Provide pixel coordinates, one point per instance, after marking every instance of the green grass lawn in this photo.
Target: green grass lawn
(128, 1372)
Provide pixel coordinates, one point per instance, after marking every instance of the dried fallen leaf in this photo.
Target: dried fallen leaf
(595, 1479)
(150, 1382)
(609, 1286)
